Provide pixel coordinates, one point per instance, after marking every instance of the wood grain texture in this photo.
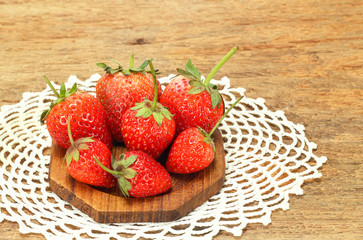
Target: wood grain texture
(109, 206)
(302, 57)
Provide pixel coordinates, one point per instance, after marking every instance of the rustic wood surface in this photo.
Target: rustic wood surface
(302, 57)
(109, 206)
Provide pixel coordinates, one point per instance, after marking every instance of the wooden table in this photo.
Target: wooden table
(302, 57)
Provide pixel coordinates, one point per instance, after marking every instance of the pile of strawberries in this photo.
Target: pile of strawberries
(131, 109)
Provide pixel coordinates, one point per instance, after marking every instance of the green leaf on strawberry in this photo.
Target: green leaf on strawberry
(126, 71)
(123, 163)
(216, 98)
(189, 67)
(198, 85)
(122, 171)
(73, 150)
(145, 111)
(190, 71)
(61, 96)
(140, 68)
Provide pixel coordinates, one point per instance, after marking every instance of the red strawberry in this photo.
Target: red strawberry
(148, 126)
(194, 102)
(81, 165)
(119, 89)
(139, 175)
(193, 150)
(88, 118)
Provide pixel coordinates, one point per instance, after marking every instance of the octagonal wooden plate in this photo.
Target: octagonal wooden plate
(109, 206)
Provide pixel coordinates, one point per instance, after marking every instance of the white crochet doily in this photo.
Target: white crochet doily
(267, 158)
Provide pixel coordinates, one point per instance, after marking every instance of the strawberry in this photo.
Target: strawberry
(193, 150)
(88, 118)
(139, 175)
(119, 89)
(148, 126)
(192, 101)
(81, 165)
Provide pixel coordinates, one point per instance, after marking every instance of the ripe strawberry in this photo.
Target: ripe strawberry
(148, 126)
(119, 89)
(193, 150)
(88, 118)
(194, 102)
(81, 165)
(139, 175)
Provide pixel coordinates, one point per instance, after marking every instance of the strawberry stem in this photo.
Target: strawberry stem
(105, 168)
(131, 61)
(69, 131)
(51, 86)
(153, 105)
(219, 65)
(224, 115)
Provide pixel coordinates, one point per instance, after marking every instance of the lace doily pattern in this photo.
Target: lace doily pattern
(267, 158)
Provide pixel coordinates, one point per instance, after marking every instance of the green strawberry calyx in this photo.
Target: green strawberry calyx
(61, 96)
(198, 85)
(126, 71)
(144, 110)
(147, 108)
(80, 144)
(207, 136)
(122, 171)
